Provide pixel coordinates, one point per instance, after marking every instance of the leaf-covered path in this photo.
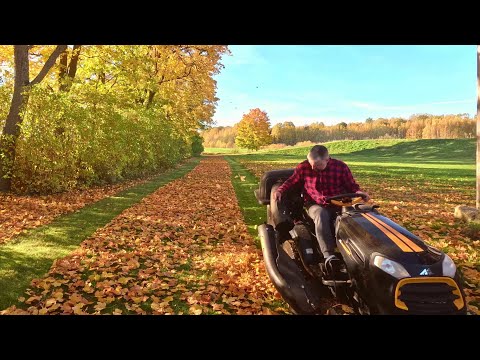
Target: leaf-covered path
(182, 250)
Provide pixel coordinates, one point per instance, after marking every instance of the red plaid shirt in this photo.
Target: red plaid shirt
(335, 179)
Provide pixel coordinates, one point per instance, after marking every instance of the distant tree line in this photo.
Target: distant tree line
(418, 126)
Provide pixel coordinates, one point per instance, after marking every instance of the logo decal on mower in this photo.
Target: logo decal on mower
(426, 272)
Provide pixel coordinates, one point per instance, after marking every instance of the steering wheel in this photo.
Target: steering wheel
(345, 199)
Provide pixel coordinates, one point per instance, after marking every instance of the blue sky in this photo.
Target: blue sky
(331, 83)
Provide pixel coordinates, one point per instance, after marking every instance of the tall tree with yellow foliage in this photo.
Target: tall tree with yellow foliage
(101, 113)
(253, 131)
(22, 85)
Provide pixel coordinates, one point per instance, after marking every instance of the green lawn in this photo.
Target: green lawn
(445, 160)
(419, 150)
(244, 183)
(31, 255)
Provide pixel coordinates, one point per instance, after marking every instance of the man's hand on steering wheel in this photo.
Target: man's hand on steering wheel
(366, 197)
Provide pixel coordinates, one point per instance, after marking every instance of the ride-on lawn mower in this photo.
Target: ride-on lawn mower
(385, 268)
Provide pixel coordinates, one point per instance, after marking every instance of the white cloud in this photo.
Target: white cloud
(364, 105)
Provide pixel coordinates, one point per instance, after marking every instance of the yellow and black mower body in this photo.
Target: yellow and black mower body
(386, 269)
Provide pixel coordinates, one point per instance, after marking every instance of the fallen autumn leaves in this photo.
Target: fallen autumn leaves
(18, 213)
(182, 250)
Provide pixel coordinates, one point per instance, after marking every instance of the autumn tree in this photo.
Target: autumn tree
(22, 86)
(253, 131)
(197, 144)
(221, 136)
(104, 113)
(284, 133)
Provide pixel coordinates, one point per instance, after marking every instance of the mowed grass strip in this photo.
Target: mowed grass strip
(244, 183)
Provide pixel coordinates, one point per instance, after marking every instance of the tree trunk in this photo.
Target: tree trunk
(68, 71)
(72, 69)
(11, 130)
(63, 70)
(151, 94)
(478, 127)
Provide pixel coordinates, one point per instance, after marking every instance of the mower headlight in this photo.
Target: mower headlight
(448, 267)
(390, 267)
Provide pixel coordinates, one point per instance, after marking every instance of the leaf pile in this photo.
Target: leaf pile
(19, 213)
(425, 207)
(182, 250)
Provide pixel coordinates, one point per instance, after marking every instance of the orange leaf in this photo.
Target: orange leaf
(77, 309)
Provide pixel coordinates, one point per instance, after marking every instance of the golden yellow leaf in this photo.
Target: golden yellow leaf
(95, 277)
(32, 299)
(50, 302)
(77, 309)
(195, 309)
(347, 309)
(156, 306)
(88, 289)
(137, 299)
(42, 311)
(100, 306)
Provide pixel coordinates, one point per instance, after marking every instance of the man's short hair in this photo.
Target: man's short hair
(318, 152)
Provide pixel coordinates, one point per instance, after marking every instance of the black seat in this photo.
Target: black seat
(284, 213)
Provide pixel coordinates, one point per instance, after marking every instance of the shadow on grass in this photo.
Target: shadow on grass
(438, 151)
(30, 255)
